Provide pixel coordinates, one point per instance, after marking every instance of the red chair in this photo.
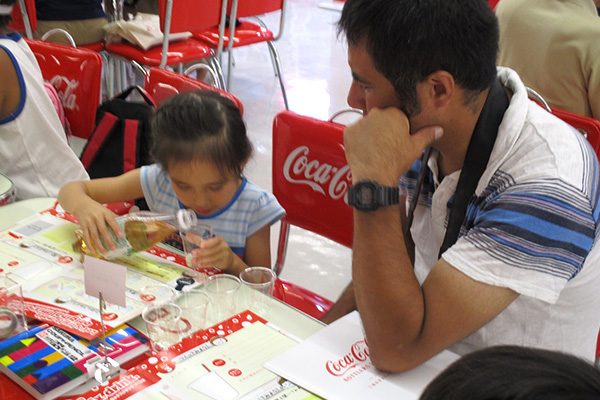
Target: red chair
(24, 19)
(162, 84)
(76, 74)
(248, 32)
(310, 180)
(176, 17)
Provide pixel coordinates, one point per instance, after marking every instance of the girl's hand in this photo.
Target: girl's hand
(215, 252)
(95, 221)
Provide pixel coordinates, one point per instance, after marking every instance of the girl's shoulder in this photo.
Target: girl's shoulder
(250, 189)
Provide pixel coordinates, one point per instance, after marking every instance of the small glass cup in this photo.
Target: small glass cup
(221, 289)
(163, 321)
(192, 238)
(12, 308)
(260, 281)
(194, 305)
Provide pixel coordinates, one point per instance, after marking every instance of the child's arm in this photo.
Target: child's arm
(84, 200)
(215, 252)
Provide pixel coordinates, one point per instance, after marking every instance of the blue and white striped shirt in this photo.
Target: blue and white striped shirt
(250, 209)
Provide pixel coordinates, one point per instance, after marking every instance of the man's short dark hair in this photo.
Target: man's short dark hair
(408, 40)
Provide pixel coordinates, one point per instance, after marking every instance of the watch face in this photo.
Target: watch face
(366, 195)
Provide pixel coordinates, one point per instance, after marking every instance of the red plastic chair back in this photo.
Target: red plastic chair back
(77, 75)
(162, 84)
(311, 175)
(17, 24)
(191, 15)
(250, 8)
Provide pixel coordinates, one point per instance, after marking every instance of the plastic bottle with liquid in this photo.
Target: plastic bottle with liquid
(142, 230)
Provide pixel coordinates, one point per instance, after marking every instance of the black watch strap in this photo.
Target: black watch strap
(389, 195)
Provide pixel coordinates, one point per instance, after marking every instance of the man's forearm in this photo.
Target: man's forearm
(388, 295)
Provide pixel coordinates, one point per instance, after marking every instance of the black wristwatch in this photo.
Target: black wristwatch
(369, 195)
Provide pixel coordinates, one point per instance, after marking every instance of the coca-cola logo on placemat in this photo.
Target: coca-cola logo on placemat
(359, 353)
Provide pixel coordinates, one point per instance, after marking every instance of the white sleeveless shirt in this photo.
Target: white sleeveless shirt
(34, 152)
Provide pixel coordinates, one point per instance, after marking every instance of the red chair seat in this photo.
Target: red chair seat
(245, 34)
(99, 46)
(178, 53)
(302, 299)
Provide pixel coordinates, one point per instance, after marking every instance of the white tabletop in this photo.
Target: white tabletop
(12, 213)
(279, 313)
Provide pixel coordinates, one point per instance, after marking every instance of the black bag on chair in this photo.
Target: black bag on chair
(121, 139)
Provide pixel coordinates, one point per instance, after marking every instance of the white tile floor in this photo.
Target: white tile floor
(317, 78)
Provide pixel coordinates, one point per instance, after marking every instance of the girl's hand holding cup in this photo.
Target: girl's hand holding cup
(214, 252)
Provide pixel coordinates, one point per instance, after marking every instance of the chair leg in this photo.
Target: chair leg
(109, 76)
(278, 72)
(230, 64)
(216, 65)
(284, 234)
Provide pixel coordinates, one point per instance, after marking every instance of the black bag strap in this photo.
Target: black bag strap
(145, 95)
(478, 154)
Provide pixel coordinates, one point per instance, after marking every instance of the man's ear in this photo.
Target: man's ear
(440, 88)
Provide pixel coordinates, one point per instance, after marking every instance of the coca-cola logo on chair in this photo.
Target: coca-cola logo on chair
(324, 178)
(66, 91)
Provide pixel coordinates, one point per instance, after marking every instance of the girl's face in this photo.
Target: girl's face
(199, 185)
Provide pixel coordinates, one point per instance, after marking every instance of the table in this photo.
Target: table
(280, 314)
(14, 212)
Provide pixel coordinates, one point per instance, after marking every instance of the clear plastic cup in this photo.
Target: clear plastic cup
(222, 290)
(194, 305)
(260, 281)
(163, 321)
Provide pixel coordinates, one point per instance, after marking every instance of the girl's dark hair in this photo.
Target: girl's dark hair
(6, 19)
(408, 40)
(516, 373)
(200, 125)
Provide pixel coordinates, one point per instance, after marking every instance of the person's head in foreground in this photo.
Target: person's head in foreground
(516, 373)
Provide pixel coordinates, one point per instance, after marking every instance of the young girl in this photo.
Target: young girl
(200, 146)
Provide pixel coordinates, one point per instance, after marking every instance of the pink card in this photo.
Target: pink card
(106, 277)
